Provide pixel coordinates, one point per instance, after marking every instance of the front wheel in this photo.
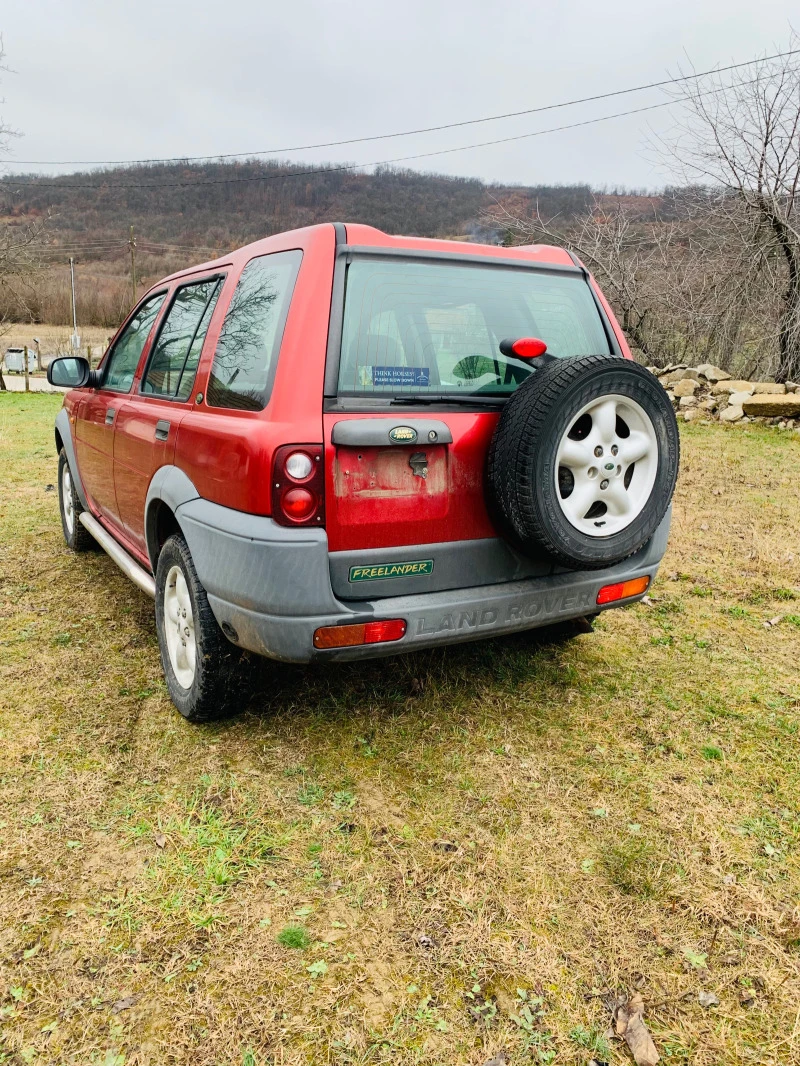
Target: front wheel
(205, 673)
(77, 536)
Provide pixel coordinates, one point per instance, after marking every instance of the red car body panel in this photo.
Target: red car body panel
(228, 454)
(372, 498)
(378, 502)
(137, 457)
(94, 446)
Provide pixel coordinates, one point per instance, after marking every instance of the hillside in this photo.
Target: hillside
(182, 213)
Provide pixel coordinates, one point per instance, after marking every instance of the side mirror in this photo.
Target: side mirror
(523, 347)
(71, 372)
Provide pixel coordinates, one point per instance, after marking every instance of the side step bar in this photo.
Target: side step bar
(125, 562)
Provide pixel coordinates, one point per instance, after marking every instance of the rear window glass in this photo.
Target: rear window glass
(413, 327)
(248, 346)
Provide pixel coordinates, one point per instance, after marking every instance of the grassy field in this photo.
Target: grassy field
(414, 861)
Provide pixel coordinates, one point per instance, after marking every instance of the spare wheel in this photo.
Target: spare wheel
(583, 461)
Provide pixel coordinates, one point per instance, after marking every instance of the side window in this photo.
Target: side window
(248, 346)
(126, 353)
(173, 364)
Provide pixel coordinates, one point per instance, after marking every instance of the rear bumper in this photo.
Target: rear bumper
(271, 588)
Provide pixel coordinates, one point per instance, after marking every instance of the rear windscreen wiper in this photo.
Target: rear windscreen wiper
(479, 401)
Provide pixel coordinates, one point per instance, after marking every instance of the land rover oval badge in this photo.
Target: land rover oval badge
(403, 435)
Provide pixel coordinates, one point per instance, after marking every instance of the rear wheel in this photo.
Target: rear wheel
(78, 538)
(206, 674)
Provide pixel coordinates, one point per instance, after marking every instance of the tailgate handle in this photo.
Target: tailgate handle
(162, 429)
(110, 412)
(382, 432)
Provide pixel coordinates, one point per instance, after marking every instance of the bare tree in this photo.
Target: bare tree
(610, 244)
(742, 137)
(664, 263)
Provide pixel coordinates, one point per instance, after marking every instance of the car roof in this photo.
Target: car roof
(361, 235)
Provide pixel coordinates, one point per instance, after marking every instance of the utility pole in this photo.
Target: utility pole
(76, 340)
(132, 246)
(25, 367)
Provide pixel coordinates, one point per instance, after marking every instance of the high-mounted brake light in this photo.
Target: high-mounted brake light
(523, 347)
(635, 587)
(351, 635)
(298, 485)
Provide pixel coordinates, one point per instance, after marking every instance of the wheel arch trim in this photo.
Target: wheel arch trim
(172, 488)
(63, 434)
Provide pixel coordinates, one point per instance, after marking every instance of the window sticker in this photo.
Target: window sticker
(397, 375)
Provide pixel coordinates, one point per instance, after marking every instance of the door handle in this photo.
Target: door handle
(110, 416)
(162, 429)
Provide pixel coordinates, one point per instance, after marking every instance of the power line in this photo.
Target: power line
(326, 169)
(408, 133)
(11, 183)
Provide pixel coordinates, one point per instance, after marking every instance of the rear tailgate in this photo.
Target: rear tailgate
(413, 511)
(413, 398)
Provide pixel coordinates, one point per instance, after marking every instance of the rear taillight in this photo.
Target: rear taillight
(298, 485)
(635, 587)
(351, 635)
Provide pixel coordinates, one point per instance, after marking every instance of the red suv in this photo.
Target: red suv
(337, 444)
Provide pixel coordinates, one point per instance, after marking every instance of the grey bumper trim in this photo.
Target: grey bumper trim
(433, 618)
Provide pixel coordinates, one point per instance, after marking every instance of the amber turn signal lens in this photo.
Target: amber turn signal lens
(635, 587)
(368, 633)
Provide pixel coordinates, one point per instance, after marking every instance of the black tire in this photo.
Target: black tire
(219, 684)
(78, 538)
(524, 492)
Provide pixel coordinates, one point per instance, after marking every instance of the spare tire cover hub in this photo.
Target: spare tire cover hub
(606, 465)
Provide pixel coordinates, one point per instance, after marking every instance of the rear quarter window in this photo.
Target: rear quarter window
(250, 340)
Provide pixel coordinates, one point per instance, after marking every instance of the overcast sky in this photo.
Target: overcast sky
(94, 80)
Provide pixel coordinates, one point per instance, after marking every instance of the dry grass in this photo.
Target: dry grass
(619, 813)
(55, 340)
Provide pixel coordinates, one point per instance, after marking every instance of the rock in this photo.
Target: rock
(780, 406)
(708, 999)
(736, 399)
(688, 401)
(686, 387)
(792, 386)
(712, 373)
(770, 387)
(667, 380)
(671, 369)
(692, 414)
(691, 374)
(731, 414)
(500, 1059)
(731, 386)
(710, 404)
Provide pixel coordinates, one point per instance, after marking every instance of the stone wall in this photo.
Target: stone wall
(709, 394)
